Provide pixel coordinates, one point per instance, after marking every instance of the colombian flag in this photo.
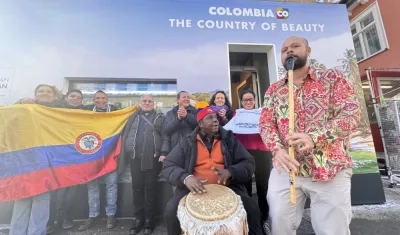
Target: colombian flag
(42, 149)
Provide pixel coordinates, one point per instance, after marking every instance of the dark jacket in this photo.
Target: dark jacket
(181, 161)
(177, 129)
(229, 115)
(159, 144)
(91, 107)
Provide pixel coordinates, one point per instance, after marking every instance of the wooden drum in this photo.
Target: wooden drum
(219, 211)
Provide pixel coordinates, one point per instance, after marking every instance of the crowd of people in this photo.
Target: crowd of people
(182, 145)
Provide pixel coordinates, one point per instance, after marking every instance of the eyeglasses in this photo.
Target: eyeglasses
(147, 101)
(248, 100)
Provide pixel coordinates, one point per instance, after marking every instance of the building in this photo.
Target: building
(375, 37)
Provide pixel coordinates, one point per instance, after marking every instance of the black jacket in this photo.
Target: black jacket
(177, 129)
(159, 138)
(181, 161)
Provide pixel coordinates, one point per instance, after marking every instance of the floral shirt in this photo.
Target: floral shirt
(326, 108)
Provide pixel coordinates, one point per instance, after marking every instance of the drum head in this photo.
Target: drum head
(218, 203)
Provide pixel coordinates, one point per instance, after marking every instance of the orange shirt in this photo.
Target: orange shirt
(206, 160)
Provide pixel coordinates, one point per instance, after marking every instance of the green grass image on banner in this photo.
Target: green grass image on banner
(364, 162)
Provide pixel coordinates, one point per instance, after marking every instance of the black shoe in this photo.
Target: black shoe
(49, 229)
(67, 223)
(148, 226)
(89, 223)
(111, 222)
(137, 226)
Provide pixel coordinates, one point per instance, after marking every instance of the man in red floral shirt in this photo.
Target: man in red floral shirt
(327, 111)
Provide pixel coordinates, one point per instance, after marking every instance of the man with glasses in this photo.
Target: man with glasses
(145, 143)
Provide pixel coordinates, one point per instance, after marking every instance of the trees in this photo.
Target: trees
(350, 69)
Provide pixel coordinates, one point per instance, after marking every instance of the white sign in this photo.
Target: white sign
(244, 122)
(6, 77)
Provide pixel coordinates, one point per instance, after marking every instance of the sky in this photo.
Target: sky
(45, 41)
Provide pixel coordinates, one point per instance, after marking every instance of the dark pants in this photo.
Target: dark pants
(172, 222)
(144, 186)
(62, 201)
(263, 162)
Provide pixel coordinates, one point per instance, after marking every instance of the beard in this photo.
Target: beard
(299, 62)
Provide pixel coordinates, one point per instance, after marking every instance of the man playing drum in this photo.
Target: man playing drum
(210, 155)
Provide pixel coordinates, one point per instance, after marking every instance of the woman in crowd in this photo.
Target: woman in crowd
(219, 103)
(30, 215)
(61, 202)
(263, 159)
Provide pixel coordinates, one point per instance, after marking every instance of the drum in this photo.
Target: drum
(219, 211)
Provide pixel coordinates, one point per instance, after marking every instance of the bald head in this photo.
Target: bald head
(298, 39)
(298, 48)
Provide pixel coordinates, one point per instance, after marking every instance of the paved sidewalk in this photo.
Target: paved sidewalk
(368, 220)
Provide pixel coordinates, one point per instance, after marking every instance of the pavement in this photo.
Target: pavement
(367, 220)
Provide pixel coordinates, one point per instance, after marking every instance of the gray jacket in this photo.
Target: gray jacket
(159, 144)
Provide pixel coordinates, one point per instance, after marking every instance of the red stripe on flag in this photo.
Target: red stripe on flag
(34, 183)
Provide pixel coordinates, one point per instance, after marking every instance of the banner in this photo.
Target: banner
(244, 122)
(42, 149)
(6, 77)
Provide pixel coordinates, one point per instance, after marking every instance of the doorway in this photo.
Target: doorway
(251, 67)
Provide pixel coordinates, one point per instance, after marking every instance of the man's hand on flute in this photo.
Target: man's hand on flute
(282, 159)
(302, 139)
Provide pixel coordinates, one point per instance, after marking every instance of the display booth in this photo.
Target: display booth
(162, 47)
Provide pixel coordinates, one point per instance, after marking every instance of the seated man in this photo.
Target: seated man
(187, 167)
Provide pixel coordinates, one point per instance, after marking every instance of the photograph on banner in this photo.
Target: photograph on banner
(161, 47)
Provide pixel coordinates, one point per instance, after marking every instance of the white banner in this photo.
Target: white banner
(6, 77)
(244, 122)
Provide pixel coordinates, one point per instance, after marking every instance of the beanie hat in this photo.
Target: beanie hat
(204, 112)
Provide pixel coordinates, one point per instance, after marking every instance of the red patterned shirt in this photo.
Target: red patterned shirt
(326, 108)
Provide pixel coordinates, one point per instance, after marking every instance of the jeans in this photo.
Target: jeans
(30, 215)
(93, 186)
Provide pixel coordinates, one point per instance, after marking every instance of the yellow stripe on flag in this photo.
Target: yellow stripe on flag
(31, 125)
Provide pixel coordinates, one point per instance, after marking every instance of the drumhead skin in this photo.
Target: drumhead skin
(218, 203)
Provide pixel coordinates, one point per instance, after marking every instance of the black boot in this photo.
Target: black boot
(111, 222)
(137, 226)
(64, 221)
(148, 226)
(89, 223)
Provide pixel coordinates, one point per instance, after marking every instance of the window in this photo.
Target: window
(369, 36)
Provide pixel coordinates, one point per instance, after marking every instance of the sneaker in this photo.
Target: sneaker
(67, 223)
(111, 222)
(89, 223)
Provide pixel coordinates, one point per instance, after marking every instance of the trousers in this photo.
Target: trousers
(263, 162)
(62, 201)
(144, 186)
(30, 215)
(330, 204)
(111, 180)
